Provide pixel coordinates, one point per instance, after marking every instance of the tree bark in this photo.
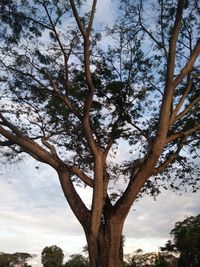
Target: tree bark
(107, 249)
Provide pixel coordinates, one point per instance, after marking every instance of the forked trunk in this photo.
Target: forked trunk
(107, 249)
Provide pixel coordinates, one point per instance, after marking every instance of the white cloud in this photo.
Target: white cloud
(35, 214)
(149, 222)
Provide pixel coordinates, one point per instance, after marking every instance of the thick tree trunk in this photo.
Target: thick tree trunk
(107, 249)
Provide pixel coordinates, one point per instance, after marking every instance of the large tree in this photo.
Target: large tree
(73, 94)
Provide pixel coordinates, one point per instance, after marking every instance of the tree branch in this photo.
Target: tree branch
(151, 35)
(91, 17)
(5, 143)
(86, 179)
(30, 147)
(74, 200)
(14, 129)
(179, 105)
(66, 57)
(186, 133)
(168, 161)
(187, 109)
(50, 147)
(163, 125)
(91, 88)
(188, 66)
(78, 19)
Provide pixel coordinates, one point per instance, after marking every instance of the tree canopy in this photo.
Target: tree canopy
(75, 94)
(76, 260)
(52, 256)
(186, 241)
(151, 259)
(16, 259)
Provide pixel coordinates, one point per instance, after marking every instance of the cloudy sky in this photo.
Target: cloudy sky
(35, 214)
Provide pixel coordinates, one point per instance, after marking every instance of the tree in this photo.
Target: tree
(52, 256)
(16, 259)
(71, 103)
(76, 260)
(186, 240)
(4, 260)
(151, 259)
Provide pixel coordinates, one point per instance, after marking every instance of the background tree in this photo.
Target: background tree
(16, 259)
(52, 256)
(151, 259)
(77, 260)
(4, 260)
(71, 103)
(186, 241)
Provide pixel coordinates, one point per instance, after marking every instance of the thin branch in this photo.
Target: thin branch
(91, 17)
(10, 125)
(141, 132)
(78, 19)
(86, 179)
(50, 147)
(162, 31)
(66, 56)
(29, 18)
(6, 143)
(183, 133)
(168, 161)
(111, 139)
(187, 109)
(45, 88)
(179, 105)
(151, 35)
(158, 89)
(174, 38)
(188, 66)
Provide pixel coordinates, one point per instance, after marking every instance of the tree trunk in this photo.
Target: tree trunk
(107, 249)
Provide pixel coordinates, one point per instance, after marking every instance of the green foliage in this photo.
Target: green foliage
(76, 260)
(186, 235)
(16, 259)
(151, 259)
(52, 256)
(4, 260)
(186, 240)
(129, 76)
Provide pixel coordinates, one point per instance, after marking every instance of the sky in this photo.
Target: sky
(35, 214)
